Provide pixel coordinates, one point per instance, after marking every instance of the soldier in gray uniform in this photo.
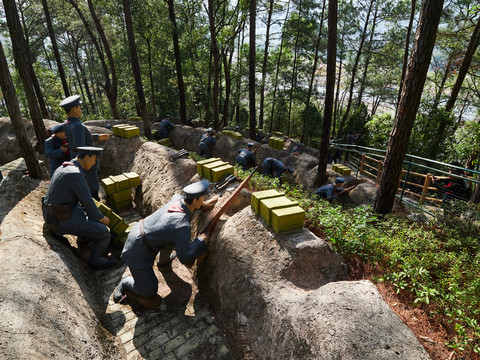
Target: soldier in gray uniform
(61, 206)
(78, 135)
(166, 229)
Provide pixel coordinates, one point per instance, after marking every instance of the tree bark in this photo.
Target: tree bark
(20, 53)
(251, 70)
(53, 39)
(216, 60)
(10, 96)
(329, 90)
(137, 75)
(264, 64)
(408, 105)
(178, 62)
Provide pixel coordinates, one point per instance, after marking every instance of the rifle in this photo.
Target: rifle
(213, 220)
(346, 190)
(222, 184)
(179, 154)
(255, 150)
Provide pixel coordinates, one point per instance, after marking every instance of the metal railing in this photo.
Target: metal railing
(415, 187)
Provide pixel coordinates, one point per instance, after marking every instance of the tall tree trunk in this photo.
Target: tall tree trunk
(337, 92)
(314, 70)
(329, 90)
(251, 70)
(446, 74)
(53, 39)
(275, 86)
(467, 60)
(227, 65)
(368, 56)
(83, 76)
(409, 103)
(239, 79)
(178, 63)
(10, 96)
(20, 53)
(150, 75)
(137, 75)
(113, 85)
(209, 88)
(294, 70)
(216, 60)
(354, 69)
(406, 52)
(264, 65)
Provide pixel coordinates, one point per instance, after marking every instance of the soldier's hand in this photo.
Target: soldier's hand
(105, 221)
(64, 148)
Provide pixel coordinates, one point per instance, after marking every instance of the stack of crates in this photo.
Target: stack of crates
(342, 169)
(135, 118)
(277, 210)
(214, 169)
(234, 134)
(165, 142)
(126, 131)
(277, 133)
(276, 142)
(119, 189)
(117, 225)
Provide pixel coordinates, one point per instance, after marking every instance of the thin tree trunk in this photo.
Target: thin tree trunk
(251, 70)
(137, 75)
(354, 69)
(329, 90)
(337, 92)
(11, 101)
(406, 52)
(409, 103)
(239, 79)
(83, 76)
(227, 65)
(20, 53)
(264, 65)
(53, 39)
(178, 63)
(216, 65)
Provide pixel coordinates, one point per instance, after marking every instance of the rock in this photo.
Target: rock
(364, 194)
(283, 296)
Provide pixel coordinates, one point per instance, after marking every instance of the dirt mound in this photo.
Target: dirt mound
(280, 297)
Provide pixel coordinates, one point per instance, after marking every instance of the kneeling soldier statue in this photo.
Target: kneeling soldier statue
(64, 215)
(166, 229)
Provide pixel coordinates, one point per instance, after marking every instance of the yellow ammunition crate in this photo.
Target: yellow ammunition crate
(120, 240)
(289, 218)
(154, 133)
(276, 133)
(114, 219)
(227, 132)
(219, 173)
(108, 185)
(260, 195)
(203, 162)
(131, 132)
(120, 228)
(118, 129)
(267, 205)
(133, 178)
(344, 170)
(237, 135)
(206, 169)
(122, 205)
(135, 118)
(101, 206)
(121, 182)
(335, 167)
(121, 196)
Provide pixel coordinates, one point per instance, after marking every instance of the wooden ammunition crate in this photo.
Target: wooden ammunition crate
(206, 169)
(114, 219)
(108, 185)
(219, 173)
(120, 240)
(335, 167)
(260, 195)
(122, 205)
(121, 182)
(120, 196)
(118, 129)
(131, 132)
(289, 218)
(203, 162)
(101, 206)
(237, 135)
(133, 178)
(135, 118)
(120, 228)
(267, 205)
(344, 170)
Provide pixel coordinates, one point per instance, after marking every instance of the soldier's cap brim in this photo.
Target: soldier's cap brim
(197, 189)
(70, 102)
(89, 150)
(57, 128)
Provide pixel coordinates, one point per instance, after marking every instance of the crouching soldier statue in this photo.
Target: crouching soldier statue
(64, 215)
(166, 229)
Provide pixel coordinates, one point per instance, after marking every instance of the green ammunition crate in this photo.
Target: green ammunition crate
(154, 133)
(114, 219)
(237, 135)
(135, 118)
(123, 195)
(267, 205)
(122, 205)
(280, 144)
(206, 169)
(118, 129)
(219, 173)
(227, 132)
(120, 228)
(120, 240)
(203, 162)
(102, 207)
(344, 170)
(108, 185)
(260, 195)
(289, 218)
(133, 178)
(131, 132)
(335, 167)
(121, 182)
(276, 133)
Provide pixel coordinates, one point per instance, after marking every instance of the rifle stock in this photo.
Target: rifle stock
(213, 220)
